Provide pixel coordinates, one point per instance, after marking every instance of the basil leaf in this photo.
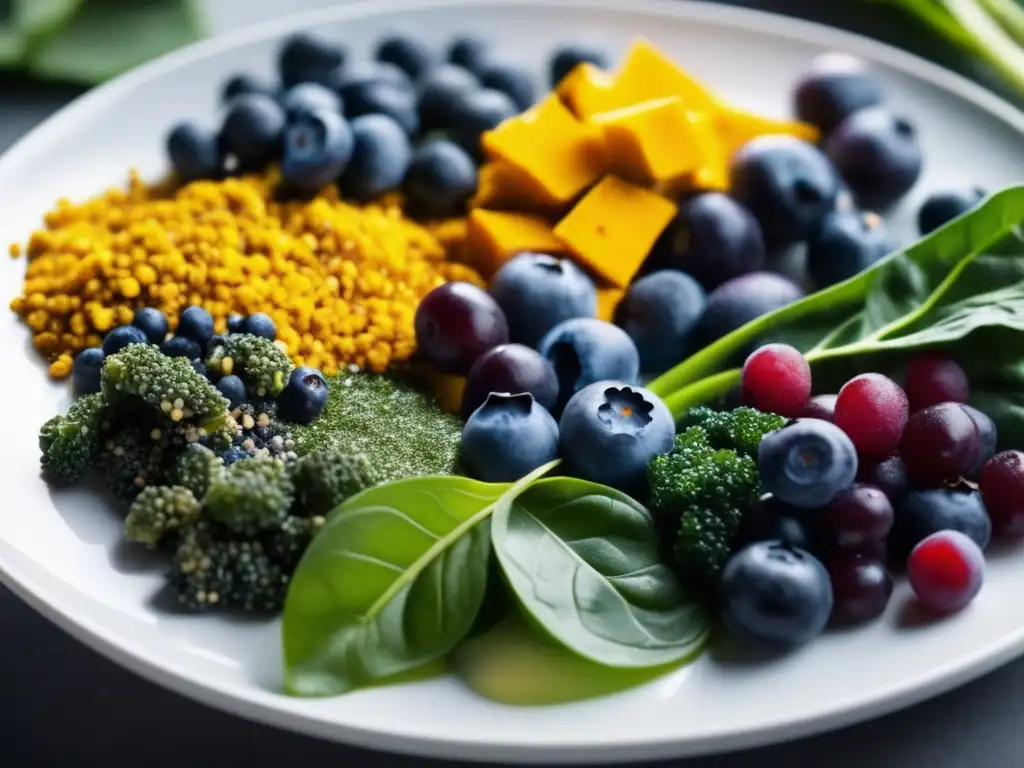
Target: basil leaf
(393, 580)
(583, 560)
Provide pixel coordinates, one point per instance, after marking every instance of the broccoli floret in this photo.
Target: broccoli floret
(259, 362)
(705, 490)
(196, 468)
(328, 476)
(131, 458)
(159, 509)
(740, 429)
(252, 495)
(69, 443)
(168, 384)
(212, 568)
(288, 543)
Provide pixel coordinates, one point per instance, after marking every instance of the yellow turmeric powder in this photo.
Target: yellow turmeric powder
(342, 282)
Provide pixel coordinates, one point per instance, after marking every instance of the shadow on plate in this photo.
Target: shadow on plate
(728, 650)
(89, 511)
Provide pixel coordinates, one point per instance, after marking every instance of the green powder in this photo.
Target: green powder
(400, 428)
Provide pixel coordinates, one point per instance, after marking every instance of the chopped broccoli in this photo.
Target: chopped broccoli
(288, 543)
(328, 476)
(705, 490)
(252, 495)
(196, 468)
(69, 443)
(131, 458)
(169, 384)
(159, 509)
(211, 568)
(740, 429)
(259, 362)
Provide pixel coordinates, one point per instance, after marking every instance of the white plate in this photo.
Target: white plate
(60, 553)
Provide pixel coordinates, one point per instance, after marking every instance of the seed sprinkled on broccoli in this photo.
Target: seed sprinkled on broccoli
(196, 468)
(259, 362)
(158, 510)
(252, 495)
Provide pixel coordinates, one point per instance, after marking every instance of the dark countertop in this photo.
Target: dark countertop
(63, 705)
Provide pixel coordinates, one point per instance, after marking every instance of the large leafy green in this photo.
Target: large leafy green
(963, 279)
(583, 561)
(393, 581)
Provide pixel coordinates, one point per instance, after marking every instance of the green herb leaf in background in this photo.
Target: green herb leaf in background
(393, 581)
(962, 278)
(583, 561)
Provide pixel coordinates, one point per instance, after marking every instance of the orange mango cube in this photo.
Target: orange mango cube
(494, 237)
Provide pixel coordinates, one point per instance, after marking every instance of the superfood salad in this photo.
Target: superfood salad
(452, 370)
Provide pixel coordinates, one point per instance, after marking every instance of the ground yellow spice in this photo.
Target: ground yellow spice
(342, 282)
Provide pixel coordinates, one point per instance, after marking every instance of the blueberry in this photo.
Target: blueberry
(769, 519)
(439, 94)
(194, 152)
(920, 513)
(440, 180)
(714, 238)
(410, 55)
(740, 300)
(469, 52)
(836, 86)
(233, 388)
(236, 323)
(585, 350)
(477, 112)
(788, 184)
(611, 430)
(304, 396)
(348, 81)
(181, 346)
(989, 437)
(511, 368)
(217, 340)
(395, 101)
(537, 292)
(260, 324)
(507, 437)
(151, 322)
(379, 160)
(511, 79)
(942, 207)
(121, 337)
(310, 97)
(252, 131)
(242, 84)
(567, 57)
(200, 367)
(317, 147)
(197, 324)
(304, 57)
(847, 243)
(807, 462)
(85, 373)
(878, 155)
(660, 313)
(775, 595)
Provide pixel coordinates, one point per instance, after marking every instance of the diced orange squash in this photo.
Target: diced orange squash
(713, 172)
(586, 90)
(612, 229)
(494, 237)
(652, 142)
(607, 300)
(447, 388)
(646, 73)
(736, 127)
(550, 146)
(503, 186)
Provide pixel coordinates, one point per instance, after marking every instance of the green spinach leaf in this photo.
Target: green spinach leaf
(965, 277)
(394, 580)
(583, 561)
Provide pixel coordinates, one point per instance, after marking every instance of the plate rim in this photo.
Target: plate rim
(261, 705)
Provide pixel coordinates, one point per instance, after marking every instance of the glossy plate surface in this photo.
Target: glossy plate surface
(60, 551)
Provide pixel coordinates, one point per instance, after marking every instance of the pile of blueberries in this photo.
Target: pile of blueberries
(743, 248)
(408, 118)
(878, 478)
(301, 401)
